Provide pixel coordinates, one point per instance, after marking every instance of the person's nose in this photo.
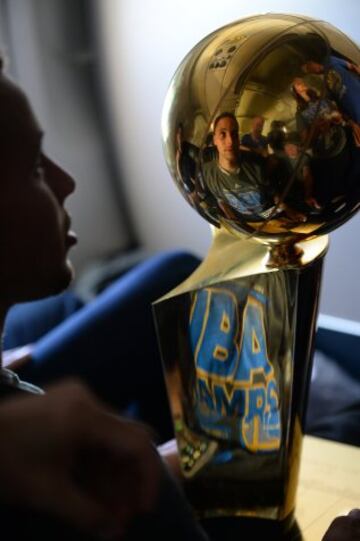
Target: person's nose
(231, 140)
(59, 180)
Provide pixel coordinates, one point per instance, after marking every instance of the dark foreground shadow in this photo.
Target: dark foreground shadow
(244, 529)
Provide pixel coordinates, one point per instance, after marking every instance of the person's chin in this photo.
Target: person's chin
(65, 277)
(57, 281)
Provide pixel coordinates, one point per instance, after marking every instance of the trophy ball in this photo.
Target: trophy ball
(261, 127)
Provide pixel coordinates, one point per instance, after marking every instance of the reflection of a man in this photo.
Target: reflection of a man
(255, 140)
(236, 180)
(276, 136)
(342, 79)
(302, 189)
(187, 158)
(237, 393)
(318, 118)
(323, 128)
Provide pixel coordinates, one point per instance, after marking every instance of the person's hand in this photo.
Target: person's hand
(353, 67)
(64, 454)
(312, 202)
(346, 528)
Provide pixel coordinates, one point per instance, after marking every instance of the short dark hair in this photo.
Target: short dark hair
(276, 138)
(224, 115)
(293, 138)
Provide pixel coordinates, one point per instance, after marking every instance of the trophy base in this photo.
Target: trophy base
(232, 528)
(260, 499)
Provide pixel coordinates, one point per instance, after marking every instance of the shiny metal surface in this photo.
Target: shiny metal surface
(261, 130)
(261, 127)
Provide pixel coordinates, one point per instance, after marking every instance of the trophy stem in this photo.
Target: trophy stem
(237, 353)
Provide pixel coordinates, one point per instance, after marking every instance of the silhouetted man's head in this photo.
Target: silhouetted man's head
(34, 227)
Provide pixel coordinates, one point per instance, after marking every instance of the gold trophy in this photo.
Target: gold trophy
(261, 130)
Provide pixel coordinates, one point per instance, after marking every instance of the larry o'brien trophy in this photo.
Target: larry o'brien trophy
(261, 130)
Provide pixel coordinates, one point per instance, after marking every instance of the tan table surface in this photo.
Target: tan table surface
(329, 485)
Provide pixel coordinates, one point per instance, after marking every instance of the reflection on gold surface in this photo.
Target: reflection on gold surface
(262, 127)
(280, 226)
(236, 366)
(236, 390)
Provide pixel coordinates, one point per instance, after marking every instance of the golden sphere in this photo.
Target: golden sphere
(261, 127)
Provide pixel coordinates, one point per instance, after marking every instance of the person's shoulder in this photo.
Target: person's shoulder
(304, 159)
(246, 138)
(190, 149)
(335, 61)
(263, 140)
(210, 166)
(210, 171)
(251, 158)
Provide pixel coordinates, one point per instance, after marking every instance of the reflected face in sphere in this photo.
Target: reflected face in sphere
(258, 124)
(226, 141)
(301, 88)
(288, 88)
(292, 150)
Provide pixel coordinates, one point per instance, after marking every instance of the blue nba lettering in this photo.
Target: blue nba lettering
(236, 392)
